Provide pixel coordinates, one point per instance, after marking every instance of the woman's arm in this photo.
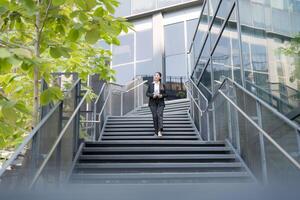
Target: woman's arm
(148, 93)
(163, 92)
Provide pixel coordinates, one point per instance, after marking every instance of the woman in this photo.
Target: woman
(156, 93)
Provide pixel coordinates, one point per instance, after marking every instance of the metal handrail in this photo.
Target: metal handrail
(219, 91)
(276, 112)
(27, 140)
(32, 134)
(136, 86)
(290, 158)
(39, 171)
(201, 111)
(206, 100)
(198, 23)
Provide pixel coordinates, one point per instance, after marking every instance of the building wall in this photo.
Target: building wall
(157, 43)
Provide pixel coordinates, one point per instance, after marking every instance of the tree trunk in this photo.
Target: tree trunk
(36, 70)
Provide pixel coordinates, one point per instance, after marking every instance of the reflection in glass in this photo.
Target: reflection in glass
(176, 65)
(124, 73)
(145, 68)
(124, 52)
(226, 58)
(142, 5)
(174, 39)
(144, 44)
(163, 3)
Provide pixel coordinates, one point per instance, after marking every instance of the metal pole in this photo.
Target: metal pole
(262, 146)
(121, 104)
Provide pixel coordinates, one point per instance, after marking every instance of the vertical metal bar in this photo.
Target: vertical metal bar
(229, 122)
(208, 127)
(262, 145)
(58, 152)
(199, 113)
(193, 110)
(95, 119)
(239, 30)
(121, 104)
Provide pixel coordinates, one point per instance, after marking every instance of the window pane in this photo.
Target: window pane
(124, 52)
(124, 8)
(174, 39)
(163, 3)
(176, 65)
(191, 27)
(144, 42)
(142, 5)
(124, 73)
(145, 68)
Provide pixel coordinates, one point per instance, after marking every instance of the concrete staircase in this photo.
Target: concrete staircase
(129, 152)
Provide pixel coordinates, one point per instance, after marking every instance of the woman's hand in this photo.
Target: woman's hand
(160, 96)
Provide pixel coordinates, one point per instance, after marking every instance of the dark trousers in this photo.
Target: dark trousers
(157, 114)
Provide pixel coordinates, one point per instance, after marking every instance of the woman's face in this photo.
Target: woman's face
(156, 77)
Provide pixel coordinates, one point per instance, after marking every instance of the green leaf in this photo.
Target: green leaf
(24, 53)
(116, 41)
(99, 12)
(58, 2)
(92, 36)
(109, 6)
(81, 4)
(4, 3)
(51, 94)
(55, 52)
(91, 4)
(20, 106)
(65, 52)
(83, 17)
(9, 114)
(4, 53)
(29, 5)
(73, 35)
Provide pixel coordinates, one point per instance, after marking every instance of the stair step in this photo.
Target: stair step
(161, 177)
(157, 165)
(150, 133)
(181, 126)
(146, 122)
(156, 157)
(132, 143)
(210, 150)
(161, 167)
(105, 137)
(147, 129)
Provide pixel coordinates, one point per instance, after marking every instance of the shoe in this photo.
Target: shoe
(159, 134)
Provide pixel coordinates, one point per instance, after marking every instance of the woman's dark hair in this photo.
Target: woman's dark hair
(161, 85)
(159, 75)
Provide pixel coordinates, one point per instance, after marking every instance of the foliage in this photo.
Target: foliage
(41, 37)
(293, 50)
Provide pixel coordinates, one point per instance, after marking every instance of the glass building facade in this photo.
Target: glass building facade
(210, 40)
(241, 40)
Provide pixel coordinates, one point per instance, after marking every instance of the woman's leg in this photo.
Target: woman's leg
(153, 109)
(160, 112)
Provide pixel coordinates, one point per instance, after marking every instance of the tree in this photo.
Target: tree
(39, 37)
(293, 50)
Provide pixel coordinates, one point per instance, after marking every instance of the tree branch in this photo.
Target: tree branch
(45, 18)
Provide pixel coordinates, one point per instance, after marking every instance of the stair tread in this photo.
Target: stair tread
(153, 137)
(158, 156)
(160, 175)
(159, 165)
(159, 149)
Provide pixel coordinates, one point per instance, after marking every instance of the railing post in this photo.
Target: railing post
(95, 119)
(262, 146)
(121, 104)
